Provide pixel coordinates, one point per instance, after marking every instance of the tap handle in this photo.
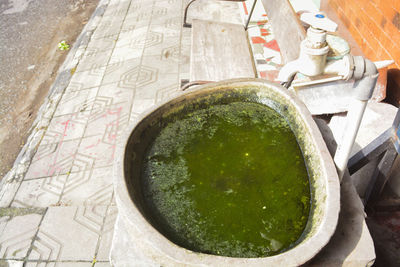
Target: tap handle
(319, 20)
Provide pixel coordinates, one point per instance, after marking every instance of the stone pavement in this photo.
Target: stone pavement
(57, 206)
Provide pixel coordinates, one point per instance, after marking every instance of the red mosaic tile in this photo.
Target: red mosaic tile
(245, 8)
(273, 45)
(257, 40)
(262, 22)
(264, 32)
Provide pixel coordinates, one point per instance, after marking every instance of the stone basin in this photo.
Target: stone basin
(325, 187)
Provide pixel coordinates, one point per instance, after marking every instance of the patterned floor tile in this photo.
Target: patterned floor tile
(68, 235)
(107, 235)
(18, 235)
(168, 47)
(97, 190)
(155, 90)
(166, 31)
(110, 26)
(94, 59)
(106, 124)
(116, 93)
(142, 14)
(76, 101)
(53, 159)
(121, 54)
(135, 38)
(101, 148)
(66, 127)
(58, 264)
(158, 65)
(3, 222)
(101, 45)
(125, 72)
(41, 192)
(88, 79)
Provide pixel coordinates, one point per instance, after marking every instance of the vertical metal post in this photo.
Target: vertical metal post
(251, 13)
(185, 24)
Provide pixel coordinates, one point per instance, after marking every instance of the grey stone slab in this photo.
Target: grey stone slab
(17, 236)
(97, 190)
(94, 58)
(58, 264)
(109, 26)
(3, 223)
(8, 191)
(140, 11)
(69, 233)
(168, 48)
(53, 158)
(124, 53)
(103, 253)
(168, 31)
(103, 264)
(116, 10)
(40, 264)
(100, 45)
(42, 192)
(108, 122)
(164, 85)
(88, 79)
(76, 101)
(124, 71)
(11, 263)
(120, 92)
(132, 35)
(159, 65)
(101, 150)
(66, 127)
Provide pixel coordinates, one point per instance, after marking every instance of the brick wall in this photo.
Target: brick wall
(375, 26)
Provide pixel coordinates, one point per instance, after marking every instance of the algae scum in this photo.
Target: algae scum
(228, 180)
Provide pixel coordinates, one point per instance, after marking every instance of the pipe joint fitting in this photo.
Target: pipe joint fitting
(366, 76)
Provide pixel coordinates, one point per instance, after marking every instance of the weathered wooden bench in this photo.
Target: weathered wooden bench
(222, 51)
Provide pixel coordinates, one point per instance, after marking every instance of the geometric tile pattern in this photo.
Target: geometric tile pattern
(17, 246)
(45, 247)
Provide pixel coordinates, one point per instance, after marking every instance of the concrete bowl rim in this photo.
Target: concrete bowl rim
(295, 256)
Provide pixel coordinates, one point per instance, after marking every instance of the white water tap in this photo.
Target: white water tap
(314, 49)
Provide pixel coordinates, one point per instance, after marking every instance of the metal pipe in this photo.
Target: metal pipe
(354, 117)
(185, 24)
(366, 70)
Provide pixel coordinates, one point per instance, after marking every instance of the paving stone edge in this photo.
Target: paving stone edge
(11, 181)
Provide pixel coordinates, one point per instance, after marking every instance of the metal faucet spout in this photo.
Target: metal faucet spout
(288, 72)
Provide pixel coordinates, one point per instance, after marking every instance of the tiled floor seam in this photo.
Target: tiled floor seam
(140, 64)
(35, 236)
(102, 229)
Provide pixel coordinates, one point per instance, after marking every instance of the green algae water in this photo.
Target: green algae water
(228, 180)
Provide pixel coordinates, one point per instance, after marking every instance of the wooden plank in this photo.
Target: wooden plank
(220, 51)
(286, 27)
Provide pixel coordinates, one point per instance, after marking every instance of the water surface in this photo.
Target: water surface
(228, 180)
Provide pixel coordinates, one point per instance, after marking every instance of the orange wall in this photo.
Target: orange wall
(375, 26)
